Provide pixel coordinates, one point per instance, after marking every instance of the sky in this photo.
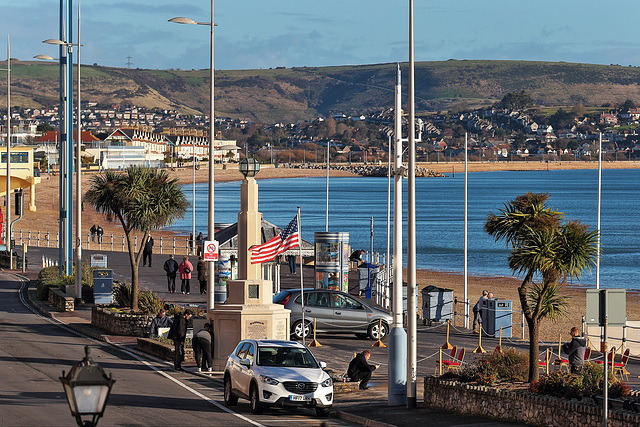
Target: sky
(252, 34)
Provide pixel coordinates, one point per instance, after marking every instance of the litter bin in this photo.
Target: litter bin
(102, 286)
(496, 316)
(99, 260)
(437, 304)
(367, 277)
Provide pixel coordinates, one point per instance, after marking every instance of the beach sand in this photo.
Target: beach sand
(46, 219)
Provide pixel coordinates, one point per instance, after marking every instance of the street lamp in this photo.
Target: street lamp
(211, 222)
(87, 388)
(249, 167)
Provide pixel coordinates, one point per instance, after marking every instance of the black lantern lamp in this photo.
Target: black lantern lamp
(87, 388)
(249, 167)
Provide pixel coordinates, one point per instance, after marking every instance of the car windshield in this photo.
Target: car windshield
(286, 357)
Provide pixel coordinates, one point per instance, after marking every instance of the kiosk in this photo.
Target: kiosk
(332, 260)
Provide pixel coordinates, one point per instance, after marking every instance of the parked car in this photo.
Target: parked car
(333, 312)
(277, 373)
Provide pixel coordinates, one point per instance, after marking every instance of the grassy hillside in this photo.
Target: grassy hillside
(303, 92)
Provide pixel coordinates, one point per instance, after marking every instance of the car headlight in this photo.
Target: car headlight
(268, 380)
(327, 383)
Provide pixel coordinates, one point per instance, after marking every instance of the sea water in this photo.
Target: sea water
(440, 214)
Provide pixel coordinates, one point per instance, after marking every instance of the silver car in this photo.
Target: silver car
(333, 312)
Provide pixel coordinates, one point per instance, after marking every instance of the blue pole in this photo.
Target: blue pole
(61, 142)
(68, 240)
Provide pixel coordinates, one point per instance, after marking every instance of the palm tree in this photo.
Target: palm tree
(547, 252)
(141, 199)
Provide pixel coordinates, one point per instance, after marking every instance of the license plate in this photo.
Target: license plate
(298, 398)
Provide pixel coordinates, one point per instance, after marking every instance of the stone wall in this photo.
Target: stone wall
(135, 325)
(162, 350)
(60, 300)
(520, 406)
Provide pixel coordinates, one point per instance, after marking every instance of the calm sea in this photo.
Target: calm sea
(440, 214)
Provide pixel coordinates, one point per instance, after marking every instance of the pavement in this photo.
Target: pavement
(356, 407)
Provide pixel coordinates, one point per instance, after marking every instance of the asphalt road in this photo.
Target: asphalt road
(37, 349)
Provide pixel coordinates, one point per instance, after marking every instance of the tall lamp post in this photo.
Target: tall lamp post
(66, 156)
(8, 197)
(210, 217)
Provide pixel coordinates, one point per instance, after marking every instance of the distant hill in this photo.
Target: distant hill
(300, 93)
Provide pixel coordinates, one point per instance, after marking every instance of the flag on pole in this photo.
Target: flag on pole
(287, 239)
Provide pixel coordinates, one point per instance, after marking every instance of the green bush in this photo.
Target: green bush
(149, 302)
(122, 294)
(506, 365)
(588, 381)
(50, 277)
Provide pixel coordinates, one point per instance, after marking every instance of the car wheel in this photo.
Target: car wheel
(323, 412)
(361, 336)
(297, 330)
(256, 406)
(375, 330)
(229, 398)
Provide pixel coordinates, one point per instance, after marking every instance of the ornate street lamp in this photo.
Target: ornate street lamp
(87, 388)
(249, 167)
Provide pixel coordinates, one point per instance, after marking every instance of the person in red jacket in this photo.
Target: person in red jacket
(185, 268)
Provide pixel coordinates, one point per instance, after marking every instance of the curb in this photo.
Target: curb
(357, 419)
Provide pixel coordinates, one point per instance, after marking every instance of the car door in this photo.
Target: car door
(349, 314)
(245, 373)
(318, 306)
(235, 368)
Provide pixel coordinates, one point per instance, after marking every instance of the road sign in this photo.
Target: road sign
(210, 250)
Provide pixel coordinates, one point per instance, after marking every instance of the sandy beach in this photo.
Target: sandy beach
(46, 219)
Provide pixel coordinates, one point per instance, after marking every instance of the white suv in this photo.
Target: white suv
(277, 373)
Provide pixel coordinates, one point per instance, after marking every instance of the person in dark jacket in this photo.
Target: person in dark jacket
(360, 369)
(147, 251)
(202, 348)
(160, 321)
(178, 333)
(99, 233)
(171, 267)
(575, 350)
(202, 274)
(93, 230)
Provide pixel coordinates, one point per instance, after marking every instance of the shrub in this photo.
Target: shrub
(122, 294)
(149, 302)
(50, 277)
(507, 365)
(585, 383)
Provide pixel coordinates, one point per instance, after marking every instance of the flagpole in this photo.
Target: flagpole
(301, 274)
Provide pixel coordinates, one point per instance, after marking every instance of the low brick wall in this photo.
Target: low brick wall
(162, 350)
(520, 406)
(135, 325)
(60, 300)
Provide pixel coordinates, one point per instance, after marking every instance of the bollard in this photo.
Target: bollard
(315, 342)
(440, 363)
(500, 341)
(379, 343)
(447, 345)
(479, 348)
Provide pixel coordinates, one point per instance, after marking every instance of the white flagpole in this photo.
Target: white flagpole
(466, 235)
(598, 220)
(301, 273)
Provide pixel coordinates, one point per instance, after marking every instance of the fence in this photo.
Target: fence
(178, 245)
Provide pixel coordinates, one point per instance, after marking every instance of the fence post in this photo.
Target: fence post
(48, 239)
(455, 311)
(57, 239)
(88, 242)
(111, 242)
(160, 245)
(135, 246)
(29, 239)
(523, 325)
(174, 245)
(123, 243)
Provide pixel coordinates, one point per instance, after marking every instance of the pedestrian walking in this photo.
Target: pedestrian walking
(93, 230)
(99, 233)
(171, 267)
(199, 242)
(202, 348)
(202, 274)
(178, 333)
(477, 313)
(147, 251)
(185, 268)
(292, 263)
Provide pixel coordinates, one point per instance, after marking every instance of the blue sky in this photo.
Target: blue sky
(262, 34)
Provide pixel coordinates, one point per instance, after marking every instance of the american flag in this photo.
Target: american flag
(287, 239)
